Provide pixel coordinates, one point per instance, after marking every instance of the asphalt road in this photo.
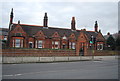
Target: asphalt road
(105, 69)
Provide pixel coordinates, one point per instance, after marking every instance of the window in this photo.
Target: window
(73, 45)
(17, 42)
(70, 45)
(40, 44)
(99, 46)
(5, 37)
(52, 42)
(56, 44)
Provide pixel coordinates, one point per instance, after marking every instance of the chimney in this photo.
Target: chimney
(11, 19)
(99, 30)
(45, 20)
(96, 26)
(19, 22)
(73, 23)
(108, 33)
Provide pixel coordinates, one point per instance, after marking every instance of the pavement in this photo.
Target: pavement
(106, 68)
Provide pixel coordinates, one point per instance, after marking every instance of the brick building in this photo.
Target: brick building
(3, 33)
(33, 36)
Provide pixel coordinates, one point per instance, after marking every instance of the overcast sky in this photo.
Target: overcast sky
(60, 14)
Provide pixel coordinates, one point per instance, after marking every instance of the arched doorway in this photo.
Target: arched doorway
(81, 51)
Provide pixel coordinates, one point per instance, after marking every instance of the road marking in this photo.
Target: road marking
(36, 73)
(14, 64)
(12, 75)
(8, 75)
(17, 74)
(98, 61)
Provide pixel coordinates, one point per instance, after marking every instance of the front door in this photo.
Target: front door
(81, 51)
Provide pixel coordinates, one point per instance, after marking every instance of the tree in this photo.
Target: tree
(111, 42)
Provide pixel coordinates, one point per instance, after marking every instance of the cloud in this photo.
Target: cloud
(60, 14)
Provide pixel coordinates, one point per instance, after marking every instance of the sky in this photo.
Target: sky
(60, 14)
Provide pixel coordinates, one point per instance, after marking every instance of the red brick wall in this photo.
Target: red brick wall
(50, 52)
(101, 53)
(37, 52)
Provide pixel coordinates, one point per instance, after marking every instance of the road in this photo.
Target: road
(104, 69)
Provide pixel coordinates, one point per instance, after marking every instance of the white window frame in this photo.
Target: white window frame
(40, 44)
(101, 46)
(53, 42)
(98, 46)
(70, 45)
(73, 45)
(57, 43)
(17, 43)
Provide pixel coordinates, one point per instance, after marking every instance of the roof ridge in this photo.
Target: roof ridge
(59, 28)
(30, 25)
(90, 31)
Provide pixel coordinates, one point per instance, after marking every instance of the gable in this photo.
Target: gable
(18, 29)
(40, 34)
(72, 36)
(55, 34)
(100, 37)
(82, 37)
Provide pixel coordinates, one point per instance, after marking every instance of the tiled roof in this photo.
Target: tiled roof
(4, 31)
(33, 29)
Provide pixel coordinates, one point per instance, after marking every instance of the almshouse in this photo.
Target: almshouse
(33, 36)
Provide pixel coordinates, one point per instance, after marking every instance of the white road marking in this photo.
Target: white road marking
(98, 61)
(8, 75)
(17, 74)
(36, 73)
(14, 64)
